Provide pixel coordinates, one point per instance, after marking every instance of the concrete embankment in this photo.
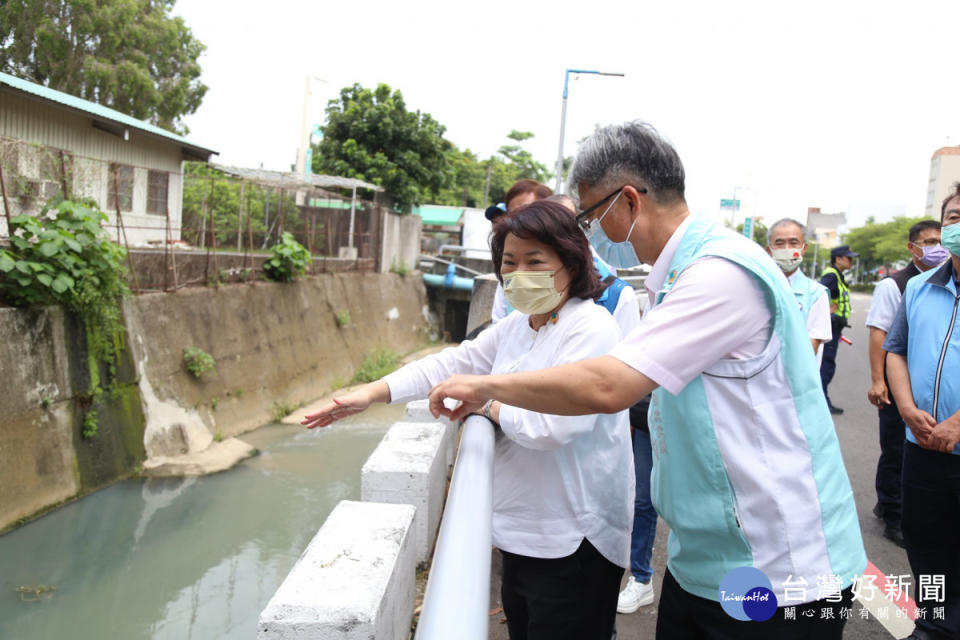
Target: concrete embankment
(275, 346)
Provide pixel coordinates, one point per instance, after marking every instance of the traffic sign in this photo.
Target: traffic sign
(748, 227)
(729, 204)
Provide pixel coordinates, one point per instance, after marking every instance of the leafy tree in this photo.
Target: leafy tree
(130, 55)
(222, 195)
(371, 136)
(469, 174)
(759, 232)
(882, 243)
(522, 160)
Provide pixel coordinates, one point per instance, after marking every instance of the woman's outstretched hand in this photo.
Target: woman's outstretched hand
(349, 404)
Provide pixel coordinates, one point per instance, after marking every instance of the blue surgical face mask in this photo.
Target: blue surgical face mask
(617, 254)
(950, 238)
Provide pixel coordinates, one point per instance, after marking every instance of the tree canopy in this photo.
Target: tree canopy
(370, 135)
(129, 55)
(882, 243)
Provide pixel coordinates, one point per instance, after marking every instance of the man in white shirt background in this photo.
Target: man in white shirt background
(786, 245)
(925, 253)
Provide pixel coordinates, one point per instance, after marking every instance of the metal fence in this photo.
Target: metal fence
(209, 228)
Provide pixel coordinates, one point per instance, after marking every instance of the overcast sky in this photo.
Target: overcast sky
(832, 104)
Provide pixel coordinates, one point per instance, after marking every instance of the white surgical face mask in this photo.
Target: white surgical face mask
(616, 254)
(531, 292)
(787, 259)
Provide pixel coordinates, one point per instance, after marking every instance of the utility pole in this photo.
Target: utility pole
(563, 118)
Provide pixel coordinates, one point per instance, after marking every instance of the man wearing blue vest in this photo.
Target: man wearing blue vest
(923, 361)
(747, 470)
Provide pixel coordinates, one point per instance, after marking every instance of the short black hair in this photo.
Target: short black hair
(922, 226)
(550, 223)
(950, 196)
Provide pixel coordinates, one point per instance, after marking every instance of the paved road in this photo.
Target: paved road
(857, 431)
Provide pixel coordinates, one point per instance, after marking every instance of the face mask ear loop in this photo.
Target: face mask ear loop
(627, 239)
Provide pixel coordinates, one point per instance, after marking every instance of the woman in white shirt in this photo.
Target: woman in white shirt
(563, 485)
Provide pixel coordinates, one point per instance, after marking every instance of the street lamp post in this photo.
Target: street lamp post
(563, 117)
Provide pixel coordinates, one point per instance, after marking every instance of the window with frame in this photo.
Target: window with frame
(157, 187)
(120, 186)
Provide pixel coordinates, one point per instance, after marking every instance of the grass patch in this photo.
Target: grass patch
(377, 364)
(282, 408)
(343, 318)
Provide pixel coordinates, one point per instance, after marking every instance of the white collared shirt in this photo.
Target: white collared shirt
(698, 322)
(818, 319)
(557, 479)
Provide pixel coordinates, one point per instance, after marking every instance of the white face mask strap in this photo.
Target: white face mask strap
(609, 206)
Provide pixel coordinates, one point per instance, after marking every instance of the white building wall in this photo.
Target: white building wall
(944, 173)
(38, 123)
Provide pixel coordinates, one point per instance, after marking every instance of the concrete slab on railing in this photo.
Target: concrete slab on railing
(409, 467)
(354, 581)
(419, 411)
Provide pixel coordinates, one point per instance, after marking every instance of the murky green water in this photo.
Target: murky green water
(184, 558)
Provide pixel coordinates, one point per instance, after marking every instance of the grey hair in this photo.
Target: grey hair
(635, 153)
(784, 221)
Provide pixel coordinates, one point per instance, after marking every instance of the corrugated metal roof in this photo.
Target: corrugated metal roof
(289, 180)
(437, 215)
(98, 112)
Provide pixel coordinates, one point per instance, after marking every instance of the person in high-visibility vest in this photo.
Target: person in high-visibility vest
(841, 259)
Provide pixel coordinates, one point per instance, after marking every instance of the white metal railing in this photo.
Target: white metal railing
(457, 600)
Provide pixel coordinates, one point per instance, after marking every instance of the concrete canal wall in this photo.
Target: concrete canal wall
(275, 346)
(356, 578)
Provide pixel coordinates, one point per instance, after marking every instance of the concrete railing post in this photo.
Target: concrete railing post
(409, 466)
(354, 581)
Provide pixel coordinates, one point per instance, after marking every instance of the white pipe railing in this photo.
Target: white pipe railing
(457, 600)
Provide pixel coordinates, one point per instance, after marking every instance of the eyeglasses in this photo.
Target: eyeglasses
(585, 214)
(929, 242)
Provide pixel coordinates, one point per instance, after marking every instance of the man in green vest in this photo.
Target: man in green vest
(841, 259)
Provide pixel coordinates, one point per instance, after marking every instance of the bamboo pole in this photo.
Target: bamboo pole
(6, 204)
(122, 229)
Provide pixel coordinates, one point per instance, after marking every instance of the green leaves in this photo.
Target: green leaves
(63, 257)
(370, 135)
(130, 55)
(288, 259)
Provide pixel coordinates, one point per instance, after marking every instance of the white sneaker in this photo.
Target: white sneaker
(634, 595)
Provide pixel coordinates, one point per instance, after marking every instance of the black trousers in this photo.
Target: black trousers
(931, 532)
(890, 463)
(571, 598)
(829, 364)
(684, 616)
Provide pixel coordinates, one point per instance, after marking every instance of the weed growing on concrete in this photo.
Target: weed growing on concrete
(343, 318)
(281, 409)
(217, 436)
(377, 364)
(198, 361)
(338, 383)
(214, 403)
(400, 269)
(45, 403)
(90, 425)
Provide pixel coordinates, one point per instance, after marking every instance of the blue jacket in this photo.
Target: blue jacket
(925, 332)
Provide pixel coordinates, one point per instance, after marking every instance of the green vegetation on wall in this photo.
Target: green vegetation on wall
(288, 259)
